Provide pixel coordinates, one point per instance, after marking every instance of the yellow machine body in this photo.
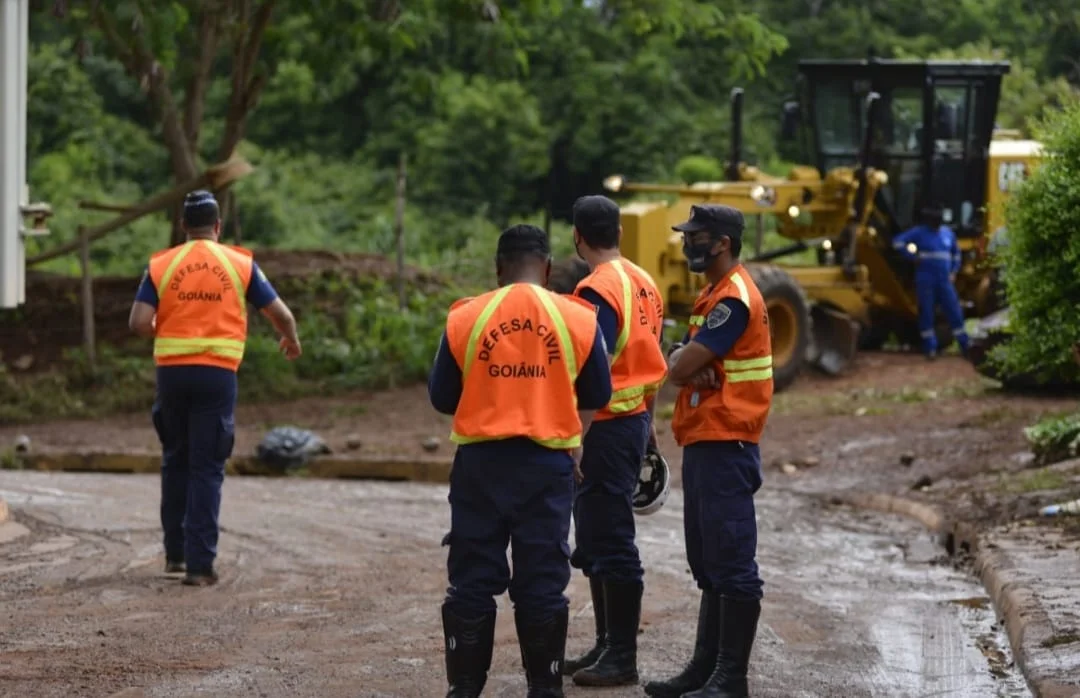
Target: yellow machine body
(860, 287)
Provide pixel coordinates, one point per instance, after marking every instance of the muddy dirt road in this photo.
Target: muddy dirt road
(332, 589)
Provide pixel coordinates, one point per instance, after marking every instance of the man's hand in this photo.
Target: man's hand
(705, 378)
(652, 432)
(952, 278)
(579, 476)
(290, 348)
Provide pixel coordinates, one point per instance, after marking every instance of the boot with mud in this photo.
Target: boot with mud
(596, 586)
(706, 647)
(543, 643)
(617, 664)
(469, 643)
(738, 625)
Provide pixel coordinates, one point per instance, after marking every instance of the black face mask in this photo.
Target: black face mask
(699, 257)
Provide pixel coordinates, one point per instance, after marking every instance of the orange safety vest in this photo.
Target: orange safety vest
(520, 349)
(638, 366)
(738, 409)
(202, 311)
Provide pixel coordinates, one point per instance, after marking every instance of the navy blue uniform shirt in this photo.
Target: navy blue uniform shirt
(259, 292)
(720, 340)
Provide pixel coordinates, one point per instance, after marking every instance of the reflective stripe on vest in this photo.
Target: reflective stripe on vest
(566, 345)
(174, 346)
(742, 370)
(627, 399)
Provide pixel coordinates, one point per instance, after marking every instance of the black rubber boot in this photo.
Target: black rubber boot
(738, 626)
(469, 642)
(596, 586)
(543, 644)
(706, 647)
(617, 664)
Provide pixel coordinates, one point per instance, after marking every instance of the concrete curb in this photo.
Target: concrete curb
(433, 470)
(1026, 623)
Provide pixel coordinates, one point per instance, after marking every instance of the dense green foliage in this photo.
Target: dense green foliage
(502, 109)
(1042, 258)
(498, 119)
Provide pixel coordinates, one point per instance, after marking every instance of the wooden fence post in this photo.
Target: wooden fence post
(87, 297)
(399, 230)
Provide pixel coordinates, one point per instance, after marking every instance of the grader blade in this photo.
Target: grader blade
(835, 340)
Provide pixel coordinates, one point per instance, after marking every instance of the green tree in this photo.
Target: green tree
(1042, 257)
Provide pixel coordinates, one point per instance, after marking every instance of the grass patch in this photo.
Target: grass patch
(9, 460)
(1040, 480)
(349, 410)
(994, 416)
(868, 401)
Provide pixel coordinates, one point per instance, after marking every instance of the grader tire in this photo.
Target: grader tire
(789, 321)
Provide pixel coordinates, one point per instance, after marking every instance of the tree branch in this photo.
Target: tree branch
(154, 79)
(195, 96)
(246, 84)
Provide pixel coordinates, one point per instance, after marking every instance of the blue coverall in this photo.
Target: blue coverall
(193, 416)
(937, 258)
(720, 479)
(516, 492)
(604, 526)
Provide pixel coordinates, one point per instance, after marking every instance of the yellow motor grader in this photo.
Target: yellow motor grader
(885, 138)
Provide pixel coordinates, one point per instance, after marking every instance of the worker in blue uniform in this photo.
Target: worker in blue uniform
(936, 254)
(513, 489)
(192, 302)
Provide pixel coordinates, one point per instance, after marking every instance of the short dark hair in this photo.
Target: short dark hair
(200, 210)
(596, 219)
(520, 242)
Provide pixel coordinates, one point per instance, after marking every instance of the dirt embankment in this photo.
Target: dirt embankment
(35, 336)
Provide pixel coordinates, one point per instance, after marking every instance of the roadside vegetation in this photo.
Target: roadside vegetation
(502, 114)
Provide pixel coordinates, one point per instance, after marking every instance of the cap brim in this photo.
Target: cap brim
(690, 227)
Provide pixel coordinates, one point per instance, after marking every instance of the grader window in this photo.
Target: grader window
(835, 115)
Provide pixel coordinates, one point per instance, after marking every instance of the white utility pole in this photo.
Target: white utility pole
(14, 193)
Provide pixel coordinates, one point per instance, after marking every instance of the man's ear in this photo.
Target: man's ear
(618, 238)
(547, 273)
(217, 229)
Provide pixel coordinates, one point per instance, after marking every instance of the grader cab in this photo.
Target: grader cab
(883, 138)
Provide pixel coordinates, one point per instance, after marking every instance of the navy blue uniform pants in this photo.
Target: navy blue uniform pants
(719, 482)
(604, 525)
(193, 417)
(932, 290)
(515, 493)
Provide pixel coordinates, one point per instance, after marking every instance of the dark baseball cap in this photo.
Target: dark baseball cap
(200, 209)
(715, 219)
(596, 214)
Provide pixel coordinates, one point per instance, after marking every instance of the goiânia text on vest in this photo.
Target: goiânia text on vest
(490, 342)
(182, 272)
